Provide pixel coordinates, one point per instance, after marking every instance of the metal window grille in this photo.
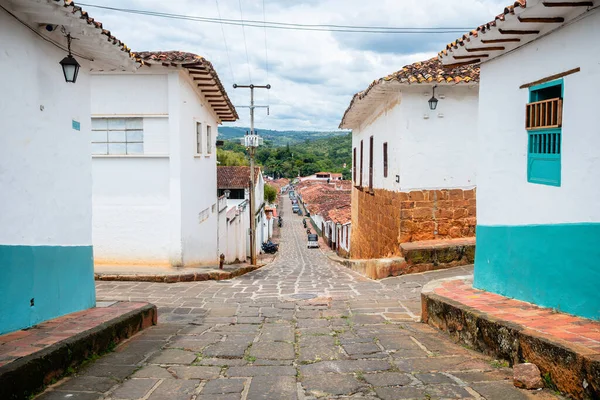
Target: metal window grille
(354, 165)
(117, 136)
(371, 142)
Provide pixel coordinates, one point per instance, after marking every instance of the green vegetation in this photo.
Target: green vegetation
(326, 154)
(270, 194)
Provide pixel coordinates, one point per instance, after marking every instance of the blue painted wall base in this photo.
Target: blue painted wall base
(59, 279)
(556, 266)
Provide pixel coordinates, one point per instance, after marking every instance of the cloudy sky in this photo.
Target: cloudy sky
(313, 74)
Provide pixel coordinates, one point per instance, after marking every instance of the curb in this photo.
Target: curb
(29, 375)
(187, 277)
(573, 369)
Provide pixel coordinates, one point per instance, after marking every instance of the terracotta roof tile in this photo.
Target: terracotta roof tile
(192, 62)
(78, 12)
(331, 201)
(423, 72)
(235, 177)
(510, 9)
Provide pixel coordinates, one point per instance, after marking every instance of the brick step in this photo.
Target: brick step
(34, 358)
(565, 348)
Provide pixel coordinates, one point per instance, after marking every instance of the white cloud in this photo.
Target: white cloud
(313, 74)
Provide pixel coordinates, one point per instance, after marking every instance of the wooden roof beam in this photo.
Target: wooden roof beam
(507, 40)
(518, 32)
(569, 4)
(462, 63)
(491, 48)
(203, 79)
(542, 20)
(471, 56)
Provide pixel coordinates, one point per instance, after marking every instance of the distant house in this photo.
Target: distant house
(413, 166)
(322, 176)
(234, 183)
(154, 161)
(328, 205)
(538, 160)
(46, 266)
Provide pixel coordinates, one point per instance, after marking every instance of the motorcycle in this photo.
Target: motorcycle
(304, 223)
(280, 222)
(270, 247)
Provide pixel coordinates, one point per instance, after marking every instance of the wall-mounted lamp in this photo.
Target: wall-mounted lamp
(433, 101)
(227, 193)
(69, 64)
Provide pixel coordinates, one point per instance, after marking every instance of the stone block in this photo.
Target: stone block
(527, 376)
(456, 194)
(416, 195)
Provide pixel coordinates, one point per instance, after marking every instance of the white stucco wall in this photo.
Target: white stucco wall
(156, 208)
(45, 169)
(198, 178)
(504, 196)
(437, 152)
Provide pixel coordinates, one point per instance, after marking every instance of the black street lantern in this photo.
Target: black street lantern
(433, 101)
(69, 64)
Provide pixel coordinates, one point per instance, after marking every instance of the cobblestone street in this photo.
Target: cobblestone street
(302, 327)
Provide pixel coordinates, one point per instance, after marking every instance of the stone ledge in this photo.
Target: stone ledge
(573, 368)
(423, 256)
(447, 252)
(213, 275)
(28, 375)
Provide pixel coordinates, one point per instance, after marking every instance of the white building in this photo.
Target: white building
(46, 267)
(413, 168)
(234, 182)
(234, 222)
(538, 161)
(154, 161)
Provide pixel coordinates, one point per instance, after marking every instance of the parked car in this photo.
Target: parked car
(313, 241)
(295, 209)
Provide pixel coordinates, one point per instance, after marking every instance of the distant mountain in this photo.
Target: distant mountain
(277, 138)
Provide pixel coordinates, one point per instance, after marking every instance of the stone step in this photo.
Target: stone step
(434, 253)
(33, 358)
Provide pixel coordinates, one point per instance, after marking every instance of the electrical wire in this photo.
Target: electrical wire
(226, 47)
(44, 37)
(291, 26)
(266, 50)
(245, 43)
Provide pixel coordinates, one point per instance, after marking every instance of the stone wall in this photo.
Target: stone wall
(383, 219)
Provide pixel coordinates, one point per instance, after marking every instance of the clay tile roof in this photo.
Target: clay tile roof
(200, 68)
(235, 177)
(327, 200)
(423, 72)
(78, 12)
(510, 9)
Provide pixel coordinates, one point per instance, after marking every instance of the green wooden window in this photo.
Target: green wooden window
(544, 129)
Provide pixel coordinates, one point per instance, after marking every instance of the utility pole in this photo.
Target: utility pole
(251, 142)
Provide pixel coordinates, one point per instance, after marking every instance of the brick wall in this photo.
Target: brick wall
(384, 219)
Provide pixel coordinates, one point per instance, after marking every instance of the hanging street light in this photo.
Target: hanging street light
(433, 101)
(69, 64)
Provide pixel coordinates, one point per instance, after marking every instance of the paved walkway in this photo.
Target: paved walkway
(264, 336)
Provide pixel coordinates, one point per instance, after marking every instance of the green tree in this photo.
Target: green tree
(270, 194)
(229, 158)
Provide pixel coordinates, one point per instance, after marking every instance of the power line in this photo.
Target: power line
(266, 50)
(291, 26)
(245, 44)
(226, 47)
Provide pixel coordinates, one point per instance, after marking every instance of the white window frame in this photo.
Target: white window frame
(199, 138)
(208, 140)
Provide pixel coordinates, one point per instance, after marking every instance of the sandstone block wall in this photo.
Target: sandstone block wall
(383, 219)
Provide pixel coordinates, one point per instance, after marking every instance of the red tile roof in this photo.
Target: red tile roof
(330, 201)
(510, 9)
(520, 22)
(235, 177)
(423, 72)
(198, 67)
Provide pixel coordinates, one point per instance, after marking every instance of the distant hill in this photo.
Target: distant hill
(277, 138)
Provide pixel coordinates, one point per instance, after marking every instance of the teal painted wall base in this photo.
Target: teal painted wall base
(59, 279)
(556, 266)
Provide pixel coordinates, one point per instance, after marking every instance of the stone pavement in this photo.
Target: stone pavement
(300, 328)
